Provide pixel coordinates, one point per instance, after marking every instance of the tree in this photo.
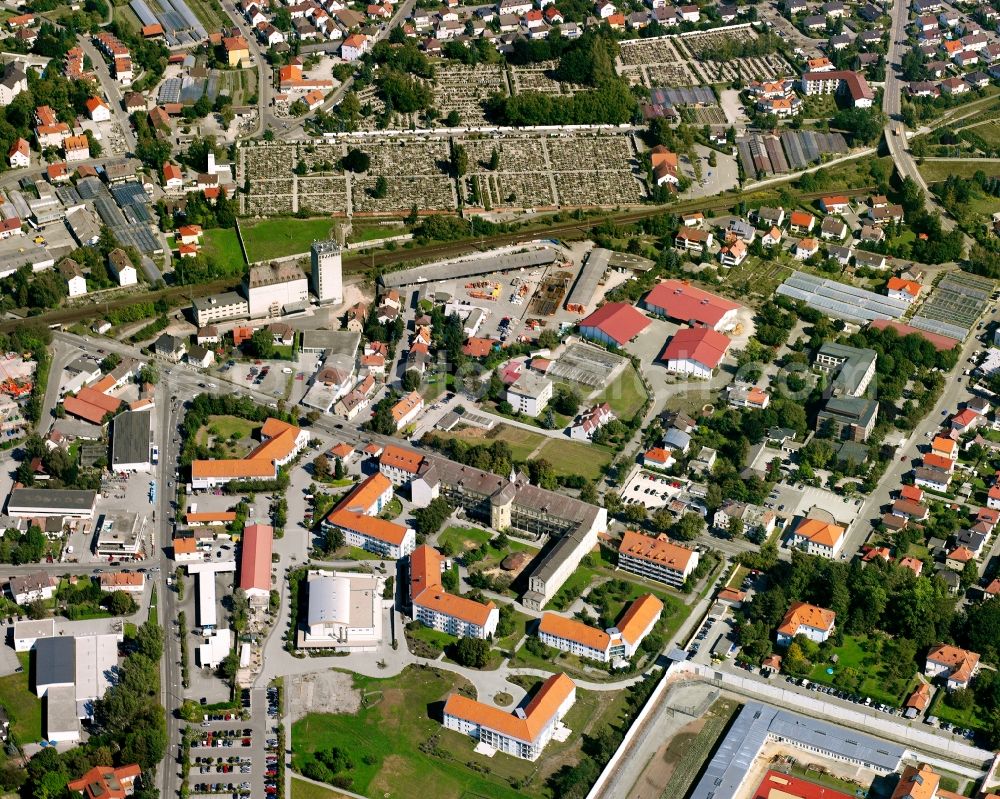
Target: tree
(735, 527)
(149, 640)
(321, 467)
(261, 343)
(356, 161)
(494, 160)
(459, 160)
(335, 539)
(690, 526)
(473, 653)
(149, 374)
(429, 520)
(411, 380)
(110, 361)
(381, 187)
(453, 119)
(119, 603)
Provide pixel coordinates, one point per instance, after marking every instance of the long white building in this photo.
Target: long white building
(345, 611)
(273, 289)
(357, 517)
(523, 733)
(656, 558)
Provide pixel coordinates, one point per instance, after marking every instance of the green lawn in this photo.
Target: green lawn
(962, 718)
(393, 509)
(434, 638)
(521, 442)
(21, 704)
(852, 655)
(275, 238)
(307, 790)
(938, 171)
(399, 748)
(224, 247)
(356, 553)
(626, 395)
(572, 457)
(463, 538)
(374, 232)
(225, 426)
(573, 587)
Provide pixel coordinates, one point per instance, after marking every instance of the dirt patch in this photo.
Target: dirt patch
(322, 692)
(661, 768)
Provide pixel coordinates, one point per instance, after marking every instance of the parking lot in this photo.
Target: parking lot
(238, 755)
(651, 490)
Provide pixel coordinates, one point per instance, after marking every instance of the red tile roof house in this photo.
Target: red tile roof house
(615, 323)
(255, 563)
(957, 666)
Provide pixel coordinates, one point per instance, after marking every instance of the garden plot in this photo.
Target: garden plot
(464, 89)
(709, 115)
(408, 157)
(599, 188)
(649, 51)
(517, 153)
(268, 206)
(678, 74)
(264, 161)
(322, 157)
(537, 78)
(697, 43)
(592, 153)
(426, 191)
(322, 194)
(515, 189)
(767, 67)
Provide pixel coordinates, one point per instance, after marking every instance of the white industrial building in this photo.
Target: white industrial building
(345, 611)
(273, 289)
(208, 618)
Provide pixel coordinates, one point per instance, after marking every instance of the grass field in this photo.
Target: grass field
(853, 654)
(274, 238)
(307, 790)
(462, 538)
(521, 442)
(224, 247)
(220, 428)
(399, 748)
(626, 395)
(576, 584)
(572, 457)
(21, 704)
(687, 752)
(938, 171)
(970, 718)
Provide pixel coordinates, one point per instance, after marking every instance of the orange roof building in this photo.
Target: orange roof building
(957, 666)
(211, 517)
(818, 537)
(945, 447)
(918, 782)
(619, 642)
(436, 608)
(91, 403)
(399, 465)
(131, 582)
(407, 409)
(280, 443)
(255, 562)
(107, 782)
(815, 623)
(523, 733)
(656, 558)
(357, 518)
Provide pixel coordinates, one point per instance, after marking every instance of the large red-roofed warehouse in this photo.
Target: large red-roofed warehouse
(255, 562)
(695, 351)
(614, 323)
(682, 302)
(776, 785)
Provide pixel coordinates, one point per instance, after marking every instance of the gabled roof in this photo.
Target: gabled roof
(803, 614)
(683, 301)
(639, 616)
(700, 344)
(573, 630)
(820, 532)
(255, 557)
(656, 550)
(617, 320)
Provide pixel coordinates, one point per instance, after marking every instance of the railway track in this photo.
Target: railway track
(361, 263)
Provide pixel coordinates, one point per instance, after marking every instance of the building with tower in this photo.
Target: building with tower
(327, 279)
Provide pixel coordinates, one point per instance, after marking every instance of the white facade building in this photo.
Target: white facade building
(326, 274)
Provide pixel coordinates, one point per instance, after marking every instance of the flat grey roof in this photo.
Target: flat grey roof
(215, 300)
(130, 438)
(61, 715)
(591, 272)
(483, 265)
(31, 498)
(757, 722)
(335, 342)
(55, 661)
